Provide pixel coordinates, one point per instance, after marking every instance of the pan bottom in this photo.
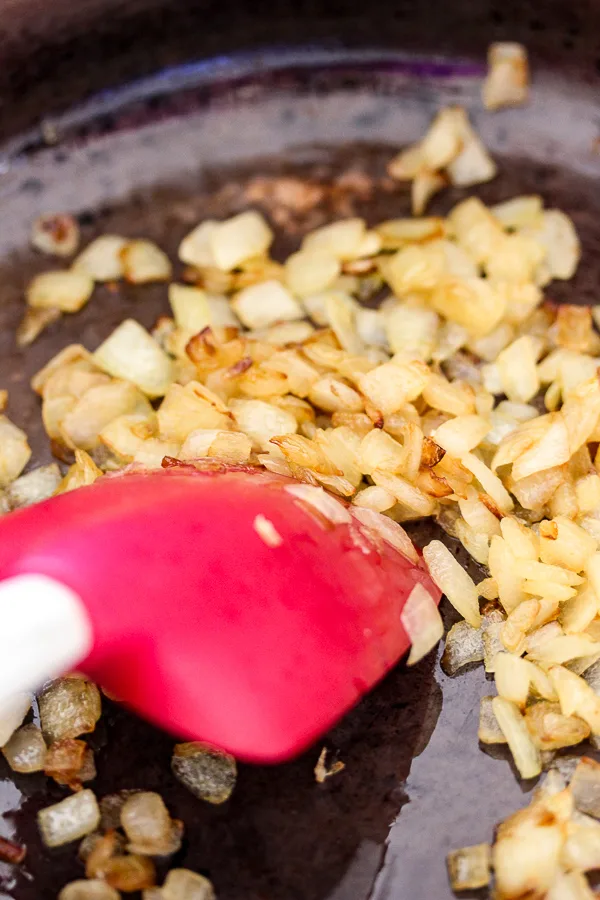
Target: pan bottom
(415, 782)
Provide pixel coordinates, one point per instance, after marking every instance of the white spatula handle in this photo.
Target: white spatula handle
(44, 632)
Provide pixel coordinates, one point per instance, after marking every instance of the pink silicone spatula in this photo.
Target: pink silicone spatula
(225, 607)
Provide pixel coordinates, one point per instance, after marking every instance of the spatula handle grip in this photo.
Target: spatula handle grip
(44, 632)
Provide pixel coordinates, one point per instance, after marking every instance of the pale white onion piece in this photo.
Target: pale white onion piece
(511, 722)
(518, 372)
(340, 310)
(460, 435)
(262, 421)
(422, 622)
(15, 451)
(238, 239)
(519, 212)
(309, 272)
(473, 164)
(556, 234)
(490, 482)
(182, 884)
(148, 825)
(131, 353)
(67, 291)
(570, 886)
(411, 328)
(262, 305)
(370, 325)
(190, 307)
(195, 247)
(374, 498)
(101, 260)
(453, 581)
(389, 386)
(332, 509)
(70, 819)
(26, 750)
(144, 262)
(88, 889)
(343, 239)
(391, 532)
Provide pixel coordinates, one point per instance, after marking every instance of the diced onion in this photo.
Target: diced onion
(70, 819)
(469, 868)
(422, 622)
(453, 581)
(182, 884)
(512, 724)
(208, 773)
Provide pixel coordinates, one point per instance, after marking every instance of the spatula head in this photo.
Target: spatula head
(224, 607)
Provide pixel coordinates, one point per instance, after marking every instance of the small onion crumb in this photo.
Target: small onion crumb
(323, 771)
(267, 531)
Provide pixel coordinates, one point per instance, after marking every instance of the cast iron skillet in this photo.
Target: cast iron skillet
(153, 158)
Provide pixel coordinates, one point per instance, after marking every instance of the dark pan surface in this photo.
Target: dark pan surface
(416, 784)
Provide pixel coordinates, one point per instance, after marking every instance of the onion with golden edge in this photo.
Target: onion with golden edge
(526, 855)
(64, 762)
(551, 730)
(130, 873)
